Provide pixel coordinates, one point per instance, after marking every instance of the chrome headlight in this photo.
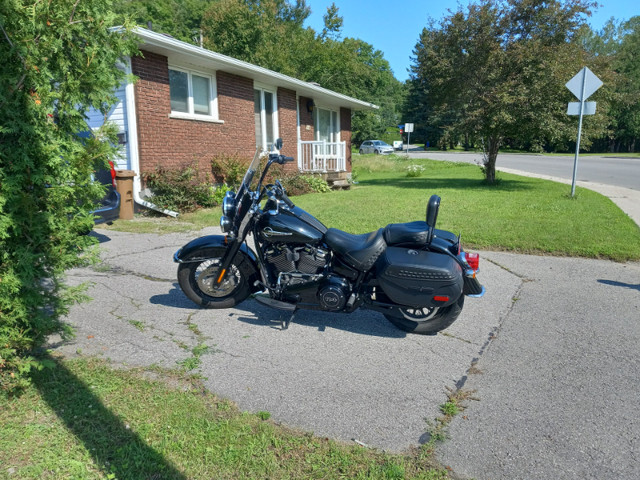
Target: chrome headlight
(225, 224)
(229, 204)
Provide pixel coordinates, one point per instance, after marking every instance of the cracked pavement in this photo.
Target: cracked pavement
(547, 333)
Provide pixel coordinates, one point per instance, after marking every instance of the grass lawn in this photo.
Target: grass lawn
(82, 419)
(519, 214)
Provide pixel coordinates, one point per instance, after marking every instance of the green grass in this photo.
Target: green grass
(519, 214)
(83, 419)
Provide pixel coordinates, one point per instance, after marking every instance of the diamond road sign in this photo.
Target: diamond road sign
(584, 84)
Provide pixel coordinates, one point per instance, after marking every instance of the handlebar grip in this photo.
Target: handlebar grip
(287, 201)
(288, 159)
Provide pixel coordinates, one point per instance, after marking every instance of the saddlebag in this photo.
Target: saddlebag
(417, 278)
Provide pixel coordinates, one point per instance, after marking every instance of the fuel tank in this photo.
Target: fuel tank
(291, 225)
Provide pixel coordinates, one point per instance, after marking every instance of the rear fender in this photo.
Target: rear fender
(246, 260)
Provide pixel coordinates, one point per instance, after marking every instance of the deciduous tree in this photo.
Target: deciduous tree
(496, 70)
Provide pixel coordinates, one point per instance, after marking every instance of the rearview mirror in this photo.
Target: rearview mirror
(278, 144)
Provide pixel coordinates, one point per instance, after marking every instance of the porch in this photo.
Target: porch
(322, 157)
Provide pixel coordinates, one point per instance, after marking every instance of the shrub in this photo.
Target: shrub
(414, 170)
(229, 169)
(59, 61)
(317, 183)
(180, 189)
(296, 183)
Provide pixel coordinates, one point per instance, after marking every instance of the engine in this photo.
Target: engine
(301, 271)
(305, 259)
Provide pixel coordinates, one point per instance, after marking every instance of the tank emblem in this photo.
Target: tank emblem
(269, 232)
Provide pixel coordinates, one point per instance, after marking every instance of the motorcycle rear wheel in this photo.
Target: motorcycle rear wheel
(196, 280)
(425, 321)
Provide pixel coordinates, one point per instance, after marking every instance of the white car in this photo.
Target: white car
(376, 146)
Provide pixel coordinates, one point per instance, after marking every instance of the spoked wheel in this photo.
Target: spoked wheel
(197, 280)
(426, 321)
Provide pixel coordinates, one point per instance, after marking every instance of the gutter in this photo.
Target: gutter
(132, 136)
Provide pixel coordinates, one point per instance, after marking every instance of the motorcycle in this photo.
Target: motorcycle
(414, 274)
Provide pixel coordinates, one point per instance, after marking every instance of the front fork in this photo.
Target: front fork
(233, 245)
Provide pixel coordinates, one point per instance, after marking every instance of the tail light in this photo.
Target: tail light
(473, 259)
(113, 173)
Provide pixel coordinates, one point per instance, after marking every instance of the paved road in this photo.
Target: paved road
(555, 340)
(609, 170)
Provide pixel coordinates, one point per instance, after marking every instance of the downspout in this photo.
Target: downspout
(132, 128)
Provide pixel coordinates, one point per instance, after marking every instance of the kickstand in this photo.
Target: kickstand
(285, 323)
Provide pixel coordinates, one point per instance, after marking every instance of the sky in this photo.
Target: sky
(393, 27)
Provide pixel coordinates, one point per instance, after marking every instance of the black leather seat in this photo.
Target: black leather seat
(412, 234)
(359, 251)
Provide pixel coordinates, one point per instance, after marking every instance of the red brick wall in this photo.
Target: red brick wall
(345, 132)
(307, 132)
(287, 123)
(173, 142)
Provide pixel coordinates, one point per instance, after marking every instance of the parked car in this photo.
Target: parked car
(376, 146)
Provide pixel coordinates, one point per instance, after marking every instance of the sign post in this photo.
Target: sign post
(408, 127)
(582, 86)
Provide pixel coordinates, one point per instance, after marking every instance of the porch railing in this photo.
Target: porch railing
(322, 156)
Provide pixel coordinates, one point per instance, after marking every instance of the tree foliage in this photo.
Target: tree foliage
(495, 71)
(180, 18)
(619, 43)
(270, 33)
(59, 60)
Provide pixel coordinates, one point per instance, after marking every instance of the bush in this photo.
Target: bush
(414, 170)
(317, 183)
(59, 61)
(296, 183)
(229, 169)
(180, 189)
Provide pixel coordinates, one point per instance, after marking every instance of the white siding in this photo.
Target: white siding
(117, 115)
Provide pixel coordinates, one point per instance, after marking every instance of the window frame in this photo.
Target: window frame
(334, 124)
(213, 96)
(263, 115)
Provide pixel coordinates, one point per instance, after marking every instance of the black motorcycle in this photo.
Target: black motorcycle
(414, 274)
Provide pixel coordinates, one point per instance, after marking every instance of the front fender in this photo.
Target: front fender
(184, 255)
(246, 259)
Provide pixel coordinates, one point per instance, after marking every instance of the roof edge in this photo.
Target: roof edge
(162, 40)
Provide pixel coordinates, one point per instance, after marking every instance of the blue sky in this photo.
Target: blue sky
(394, 26)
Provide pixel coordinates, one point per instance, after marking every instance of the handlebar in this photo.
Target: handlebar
(282, 194)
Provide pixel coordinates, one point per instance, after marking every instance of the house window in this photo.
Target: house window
(326, 125)
(192, 95)
(266, 117)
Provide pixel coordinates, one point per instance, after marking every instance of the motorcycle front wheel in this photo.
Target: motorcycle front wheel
(197, 280)
(425, 321)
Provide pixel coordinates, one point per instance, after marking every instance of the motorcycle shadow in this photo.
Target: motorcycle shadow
(360, 322)
(173, 298)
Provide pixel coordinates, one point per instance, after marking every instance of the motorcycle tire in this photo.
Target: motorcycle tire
(426, 321)
(196, 281)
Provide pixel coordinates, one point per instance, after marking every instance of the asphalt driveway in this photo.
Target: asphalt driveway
(555, 340)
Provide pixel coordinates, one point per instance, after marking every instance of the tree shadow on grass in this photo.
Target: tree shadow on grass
(115, 449)
(434, 184)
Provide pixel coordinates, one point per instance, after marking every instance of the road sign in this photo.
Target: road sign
(408, 128)
(584, 84)
(588, 108)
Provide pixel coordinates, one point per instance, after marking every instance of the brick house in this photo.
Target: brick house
(190, 104)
